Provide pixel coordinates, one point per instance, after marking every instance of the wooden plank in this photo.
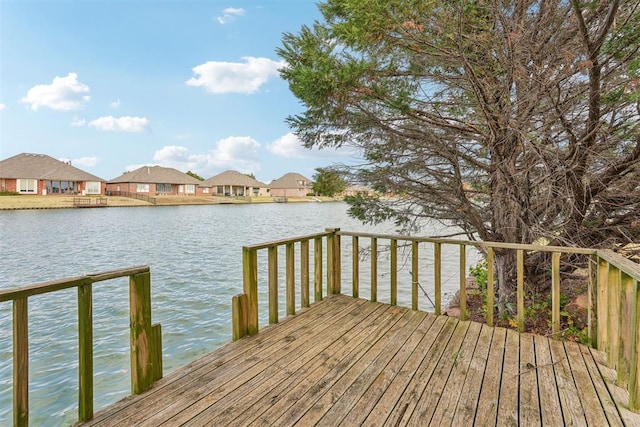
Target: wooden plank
(272, 262)
(529, 407)
(603, 304)
(262, 347)
(20, 362)
(508, 404)
(587, 394)
(634, 368)
(450, 396)
(291, 279)
(239, 304)
(608, 405)
(628, 323)
(550, 408)
(468, 404)
(572, 409)
(613, 317)
(489, 399)
(304, 274)
(85, 353)
(423, 374)
(356, 382)
(426, 405)
(355, 267)
(140, 326)
(592, 293)
(276, 382)
(394, 392)
(343, 353)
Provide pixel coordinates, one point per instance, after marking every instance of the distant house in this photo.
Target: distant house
(155, 181)
(28, 173)
(233, 183)
(291, 185)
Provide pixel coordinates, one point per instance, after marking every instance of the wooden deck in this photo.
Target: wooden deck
(348, 362)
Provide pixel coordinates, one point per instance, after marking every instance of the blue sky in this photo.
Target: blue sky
(114, 85)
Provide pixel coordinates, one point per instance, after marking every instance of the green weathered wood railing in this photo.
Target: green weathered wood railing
(612, 287)
(146, 338)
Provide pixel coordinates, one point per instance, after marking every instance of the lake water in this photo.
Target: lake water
(196, 267)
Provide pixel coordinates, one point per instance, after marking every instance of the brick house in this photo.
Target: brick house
(233, 183)
(39, 174)
(291, 185)
(156, 181)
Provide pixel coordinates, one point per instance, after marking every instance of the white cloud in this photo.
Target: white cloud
(64, 93)
(116, 103)
(120, 124)
(289, 146)
(87, 162)
(78, 122)
(236, 152)
(235, 77)
(229, 15)
(3, 107)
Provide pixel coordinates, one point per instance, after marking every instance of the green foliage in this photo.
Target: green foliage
(8, 193)
(479, 271)
(328, 182)
(195, 175)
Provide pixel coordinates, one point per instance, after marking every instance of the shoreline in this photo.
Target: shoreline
(31, 202)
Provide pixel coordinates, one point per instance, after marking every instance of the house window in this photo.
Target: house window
(163, 188)
(190, 189)
(180, 189)
(93, 187)
(205, 190)
(27, 186)
(142, 188)
(220, 189)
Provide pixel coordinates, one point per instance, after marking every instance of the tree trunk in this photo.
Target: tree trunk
(505, 268)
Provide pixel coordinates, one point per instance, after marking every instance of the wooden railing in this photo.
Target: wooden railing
(612, 286)
(138, 196)
(146, 339)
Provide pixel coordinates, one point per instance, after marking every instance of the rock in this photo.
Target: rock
(578, 311)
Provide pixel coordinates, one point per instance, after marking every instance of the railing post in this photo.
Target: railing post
(143, 346)
(239, 308)
(291, 279)
(304, 273)
(555, 294)
(463, 282)
(437, 276)
(613, 317)
(490, 290)
(414, 275)
(520, 289)
(394, 272)
(20, 363)
(272, 259)
(85, 350)
(628, 328)
(374, 269)
(603, 303)
(592, 309)
(333, 260)
(317, 268)
(355, 270)
(250, 285)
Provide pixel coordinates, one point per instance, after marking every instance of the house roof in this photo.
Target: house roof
(291, 180)
(156, 175)
(232, 178)
(41, 166)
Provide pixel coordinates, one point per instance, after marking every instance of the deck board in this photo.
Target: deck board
(346, 361)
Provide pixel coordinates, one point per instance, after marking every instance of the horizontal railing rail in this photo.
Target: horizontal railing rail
(146, 338)
(612, 286)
